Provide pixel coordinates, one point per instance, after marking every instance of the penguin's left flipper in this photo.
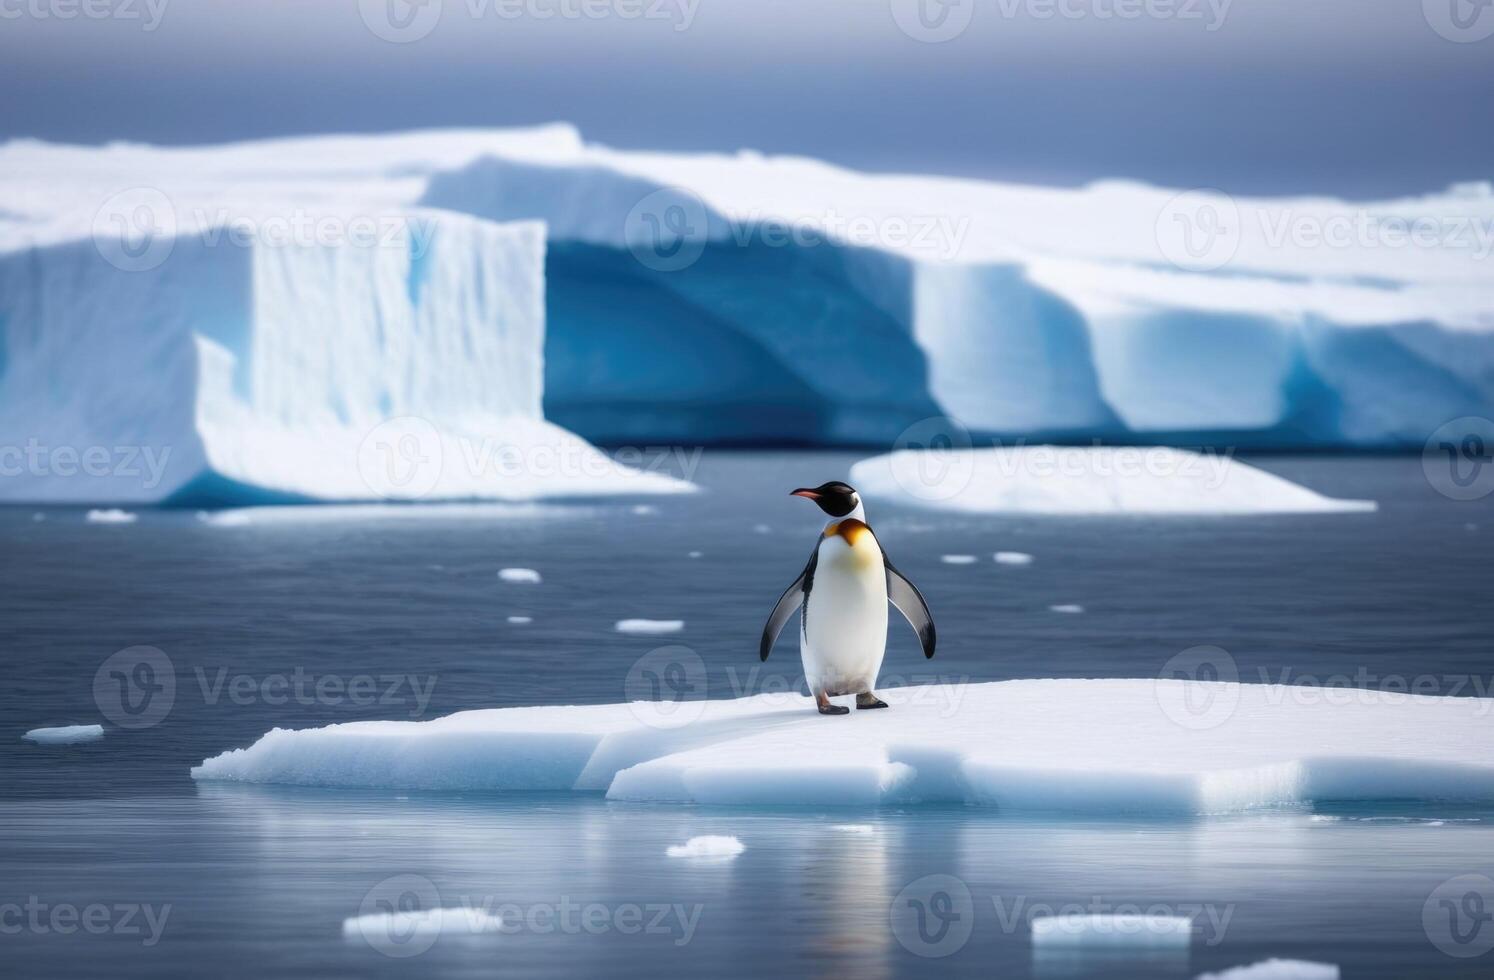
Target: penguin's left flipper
(909, 602)
(788, 604)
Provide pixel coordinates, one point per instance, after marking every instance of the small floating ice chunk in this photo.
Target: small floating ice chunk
(1274, 969)
(709, 846)
(696, 554)
(520, 620)
(224, 518)
(1068, 607)
(1112, 930)
(112, 515)
(382, 927)
(1013, 558)
(1324, 818)
(957, 559)
(65, 734)
(854, 828)
(650, 625)
(643, 510)
(527, 575)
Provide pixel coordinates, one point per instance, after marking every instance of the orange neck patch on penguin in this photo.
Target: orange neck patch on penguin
(850, 529)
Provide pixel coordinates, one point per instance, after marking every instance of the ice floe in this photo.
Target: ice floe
(708, 846)
(65, 734)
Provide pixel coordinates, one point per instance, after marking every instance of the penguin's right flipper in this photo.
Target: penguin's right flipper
(788, 604)
(909, 601)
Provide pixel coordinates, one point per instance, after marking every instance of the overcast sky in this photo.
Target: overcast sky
(1353, 97)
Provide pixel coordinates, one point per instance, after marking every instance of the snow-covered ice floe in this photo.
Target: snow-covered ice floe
(1276, 969)
(1112, 930)
(654, 626)
(1087, 480)
(520, 576)
(1012, 558)
(709, 846)
(1079, 746)
(112, 515)
(65, 734)
(381, 928)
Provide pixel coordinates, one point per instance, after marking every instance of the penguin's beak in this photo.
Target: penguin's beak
(803, 492)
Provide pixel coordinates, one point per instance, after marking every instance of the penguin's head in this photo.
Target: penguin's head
(835, 498)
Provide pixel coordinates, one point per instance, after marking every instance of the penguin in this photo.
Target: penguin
(844, 590)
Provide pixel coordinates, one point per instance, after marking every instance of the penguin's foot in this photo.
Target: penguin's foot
(826, 708)
(869, 700)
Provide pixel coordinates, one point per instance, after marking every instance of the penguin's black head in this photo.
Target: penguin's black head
(835, 498)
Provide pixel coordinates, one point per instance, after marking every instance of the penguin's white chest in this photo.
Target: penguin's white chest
(844, 635)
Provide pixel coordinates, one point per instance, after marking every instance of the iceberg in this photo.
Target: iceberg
(713, 846)
(65, 734)
(1277, 969)
(854, 306)
(1112, 930)
(406, 369)
(1173, 747)
(749, 299)
(1086, 480)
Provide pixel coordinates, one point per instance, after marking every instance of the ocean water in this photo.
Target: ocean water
(311, 616)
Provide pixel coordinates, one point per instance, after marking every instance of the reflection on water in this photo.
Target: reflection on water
(259, 882)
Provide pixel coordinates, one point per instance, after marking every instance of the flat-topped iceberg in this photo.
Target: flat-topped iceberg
(1078, 746)
(1086, 480)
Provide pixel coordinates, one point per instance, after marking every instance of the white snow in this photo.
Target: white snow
(521, 575)
(709, 846)
(957, 559)
(112, 515)
(381, 927)
(1086, 746)
(650, 625)
(1013, 558)
(65, 734)
(1275, 969)
(1086, 480)
(1069, 608)
(520, 620)
(1112, 930)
